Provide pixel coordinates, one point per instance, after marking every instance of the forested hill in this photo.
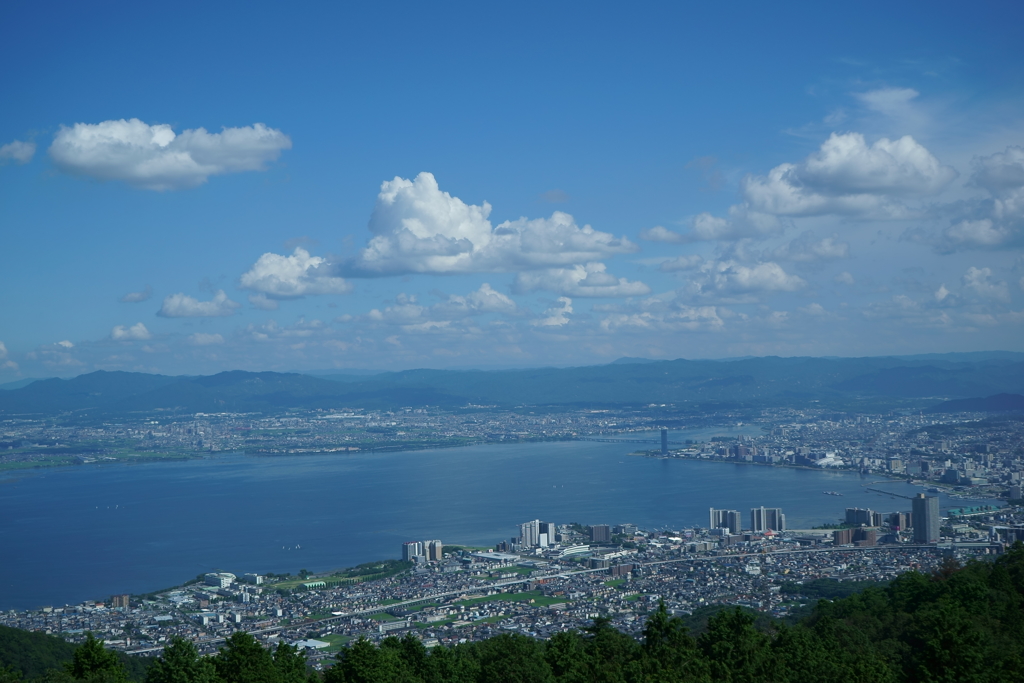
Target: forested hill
(991, 404)
(751, 382)
(958, 625)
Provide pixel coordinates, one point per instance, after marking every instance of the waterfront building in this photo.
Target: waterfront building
(859, 516)
(600, 533)
(411, 550)
(726, 519)
(926, 518)
(219, 579)
(426, 551)
(529, 534)
(536, 533)
(767, 519)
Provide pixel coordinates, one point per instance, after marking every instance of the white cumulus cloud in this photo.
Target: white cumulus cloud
(287, 277)
(155, 158)
(18, 152)
(418, 228)
(408, 312)
(590, 280)
(483, 300)
(742, 222)
(662, 234)
(980, 282)
(183, 306)
(5, 363)
(729, 277)
(556, 316)
(977, 233)
(998, 219)
(136, 332)
(848, 176)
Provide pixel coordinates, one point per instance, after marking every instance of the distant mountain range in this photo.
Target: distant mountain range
(749, 382)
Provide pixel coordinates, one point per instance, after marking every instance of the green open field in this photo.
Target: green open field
(538, 599)
(336, 640)
(10, 459)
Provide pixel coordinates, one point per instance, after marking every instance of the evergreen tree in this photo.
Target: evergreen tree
(290, 664)
(513, 658)
(181, 663)
(96, 664)
(244, 660)
(670, 654)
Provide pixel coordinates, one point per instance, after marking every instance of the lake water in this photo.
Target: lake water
(87, 532)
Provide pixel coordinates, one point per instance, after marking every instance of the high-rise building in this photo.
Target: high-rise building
(600, 533)
(411, 550)
(926, 518)
(529, 534)
(435, 551)
(536, 533)
(859, 516)
(120, 600)
(864, 536)
(726, 519)
(901, 520)
(842, 536)
(764, 519)
(664, 442)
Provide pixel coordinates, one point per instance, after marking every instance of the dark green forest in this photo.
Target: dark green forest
(960, 624)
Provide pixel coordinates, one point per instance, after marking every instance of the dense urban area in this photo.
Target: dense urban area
(549, 578)
(556, 577)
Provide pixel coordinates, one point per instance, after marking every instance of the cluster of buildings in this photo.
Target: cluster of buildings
(422, 551)
(865, 527)
(762, 520)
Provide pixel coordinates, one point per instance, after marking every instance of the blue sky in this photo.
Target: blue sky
(188, 189)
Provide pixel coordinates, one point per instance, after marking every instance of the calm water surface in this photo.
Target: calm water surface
(86, 532)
